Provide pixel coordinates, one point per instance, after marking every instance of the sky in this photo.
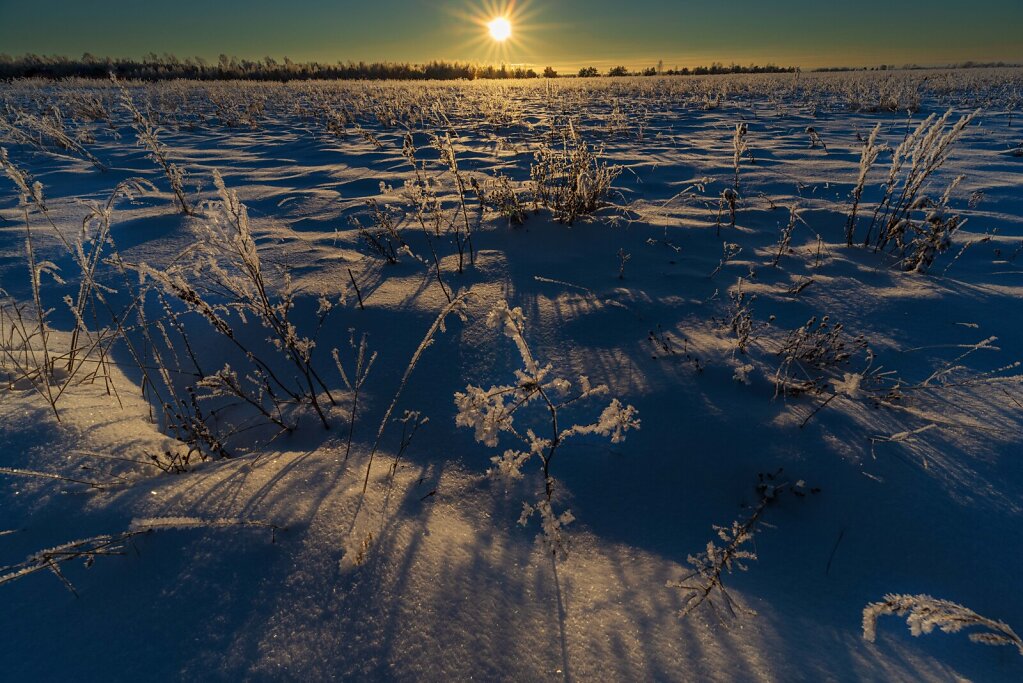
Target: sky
(560, 33)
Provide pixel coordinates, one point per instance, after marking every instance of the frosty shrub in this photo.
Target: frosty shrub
(924, 613)
(812, 354)
(490, 413)
(383, 237)
(571, 181)
(148, 134)
(445, 146)
(48, 132)
(498, 195)
(907, 221)
(740, 321)
(29, 355)
(228, 257)
(424, 192)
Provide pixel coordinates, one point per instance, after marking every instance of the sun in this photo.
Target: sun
(500, 29)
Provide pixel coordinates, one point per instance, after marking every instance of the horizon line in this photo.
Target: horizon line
(575, 65)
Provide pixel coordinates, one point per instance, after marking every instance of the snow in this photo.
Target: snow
(404, 560)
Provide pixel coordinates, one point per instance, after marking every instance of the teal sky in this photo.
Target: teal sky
(563, 33)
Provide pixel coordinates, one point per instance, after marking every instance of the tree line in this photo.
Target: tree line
(155, 67)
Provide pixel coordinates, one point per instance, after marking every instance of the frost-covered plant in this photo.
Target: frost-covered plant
(421, 191)
(354, 380)
(785, 238)
(87, 251)
(383, 237)
(28, 344)
(148, 134)
(623, 258)
(729, 200)
(740, 149)
(456, 307)
(90, 483)
(571, 181)
(921, 154)
(148, 344)
(813, 353)
(225, 383)
(709, 566)
(105, 545)
(816, 139)
(411, 422)
(26, 349)
(48, 132)
(924, 613)
(617, 121)
(868, 155)
(228, 259)
(446, 147)
(491, 413)
(736, 548)
(25, 333)
(729, 250)
(740, 320)
(922, 240)
(498, 195)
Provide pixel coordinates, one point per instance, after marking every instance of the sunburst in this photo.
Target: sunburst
(500, 29)
(497, 31)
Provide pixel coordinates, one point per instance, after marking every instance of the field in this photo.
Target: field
(579, 379)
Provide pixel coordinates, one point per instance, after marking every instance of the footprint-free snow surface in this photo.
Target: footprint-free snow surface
(855, 411)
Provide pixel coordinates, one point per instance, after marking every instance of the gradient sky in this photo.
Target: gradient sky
(563, 33)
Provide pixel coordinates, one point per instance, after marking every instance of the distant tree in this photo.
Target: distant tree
(618, 71)
(652, 71)
(152, 67)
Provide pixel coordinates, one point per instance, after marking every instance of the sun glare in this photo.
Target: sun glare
(500, 29)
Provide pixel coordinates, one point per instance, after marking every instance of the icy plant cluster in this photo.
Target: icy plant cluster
(907, 222)
(572, 181)
(229, 273)
(490, 413)
(924, 613)
(812, 353)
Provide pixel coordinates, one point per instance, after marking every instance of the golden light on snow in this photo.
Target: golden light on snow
(500, 29)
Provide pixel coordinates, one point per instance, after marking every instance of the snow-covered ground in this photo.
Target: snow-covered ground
(888, 463)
